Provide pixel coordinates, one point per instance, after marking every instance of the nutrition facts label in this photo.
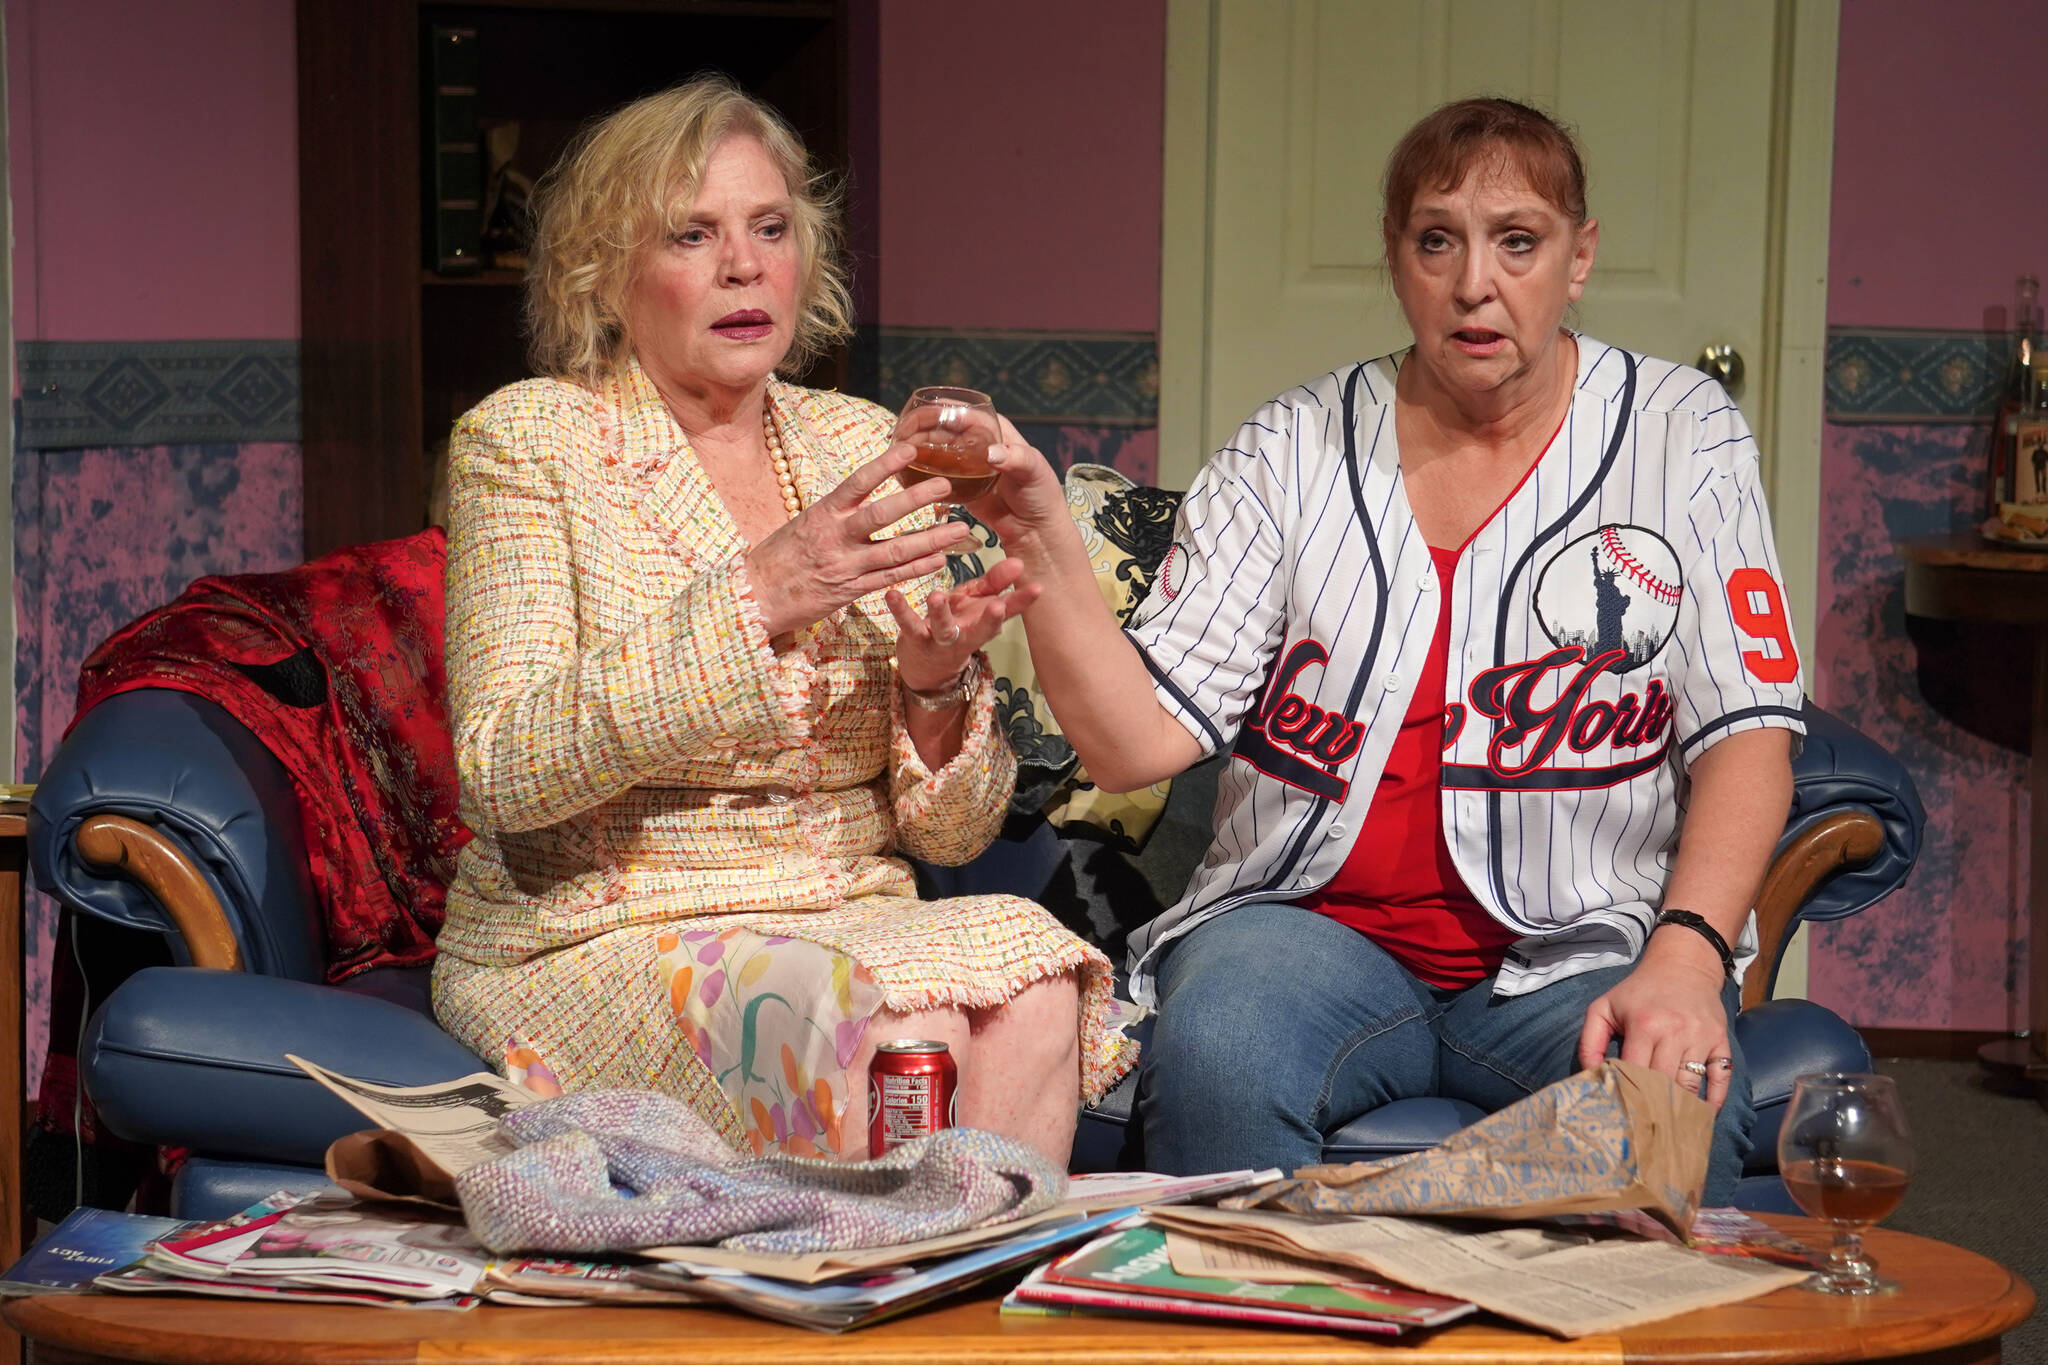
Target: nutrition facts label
(906, 1107)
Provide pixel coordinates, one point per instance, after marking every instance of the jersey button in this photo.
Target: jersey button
(1336, 831)
(1392, 682)
(1428, 580)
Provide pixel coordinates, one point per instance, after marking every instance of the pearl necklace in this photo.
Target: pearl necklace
(785, 479)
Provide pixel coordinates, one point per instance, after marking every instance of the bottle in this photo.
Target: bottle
(2030, 452)
(2012, 474)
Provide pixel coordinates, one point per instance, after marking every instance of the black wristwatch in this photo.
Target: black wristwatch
(1699, 925)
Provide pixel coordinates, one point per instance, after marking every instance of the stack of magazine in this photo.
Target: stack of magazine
(322, 1248)
(328, 1247)
(1130, 1271)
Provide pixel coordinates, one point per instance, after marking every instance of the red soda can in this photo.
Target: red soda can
(911, 1088)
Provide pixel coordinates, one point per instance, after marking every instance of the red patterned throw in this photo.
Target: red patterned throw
(336, 666)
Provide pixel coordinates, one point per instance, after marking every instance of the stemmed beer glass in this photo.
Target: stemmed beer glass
(952, 429)
(1845, 1156)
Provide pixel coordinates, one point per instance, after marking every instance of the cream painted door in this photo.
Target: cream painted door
(1672, 99)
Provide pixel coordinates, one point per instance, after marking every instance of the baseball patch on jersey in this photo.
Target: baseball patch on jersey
(1173, 571)
(1614, 591)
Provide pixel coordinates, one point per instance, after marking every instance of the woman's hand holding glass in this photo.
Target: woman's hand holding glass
(833, 553)
(1027, 499)
(959, 439)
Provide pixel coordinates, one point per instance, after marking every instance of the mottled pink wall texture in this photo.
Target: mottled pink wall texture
(1940, 198)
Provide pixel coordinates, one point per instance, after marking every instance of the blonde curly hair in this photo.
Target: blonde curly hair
(625, 182)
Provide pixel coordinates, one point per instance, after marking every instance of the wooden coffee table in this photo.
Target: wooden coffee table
(1951, 1308)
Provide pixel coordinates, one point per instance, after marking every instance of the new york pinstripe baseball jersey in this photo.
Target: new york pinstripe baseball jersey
(1620, 613)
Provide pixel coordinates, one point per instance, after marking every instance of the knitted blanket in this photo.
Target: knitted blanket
(619, 1170)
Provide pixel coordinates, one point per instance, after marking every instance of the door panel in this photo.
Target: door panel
(1672, 102)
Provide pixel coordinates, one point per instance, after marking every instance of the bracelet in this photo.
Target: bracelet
(1699, 925)
(958, 692)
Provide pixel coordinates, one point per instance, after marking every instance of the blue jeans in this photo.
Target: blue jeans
(1278, 1025)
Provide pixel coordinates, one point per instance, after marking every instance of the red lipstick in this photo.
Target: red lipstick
(745, 324)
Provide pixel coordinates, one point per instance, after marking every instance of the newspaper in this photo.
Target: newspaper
(454, 1123)
(1095, 1191)
(1572, 1284)
(1213, 1257)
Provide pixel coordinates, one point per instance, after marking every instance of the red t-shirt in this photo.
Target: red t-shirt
(1399, 887)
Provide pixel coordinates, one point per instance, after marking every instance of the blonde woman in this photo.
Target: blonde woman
(705, 691)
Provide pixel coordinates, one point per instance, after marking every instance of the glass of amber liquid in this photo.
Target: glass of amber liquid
(1846, 1157)
(952, 430)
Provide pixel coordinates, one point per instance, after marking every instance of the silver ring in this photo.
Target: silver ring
(1696, 1068)
(1725, 1063)
(950, 637)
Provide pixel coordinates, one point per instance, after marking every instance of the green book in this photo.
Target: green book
(1129, 1271)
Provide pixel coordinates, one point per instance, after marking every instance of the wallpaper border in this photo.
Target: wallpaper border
(150, 393)
(1914, 375)
(1075, 378)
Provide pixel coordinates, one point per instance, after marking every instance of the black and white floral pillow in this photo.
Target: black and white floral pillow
(1126, 528)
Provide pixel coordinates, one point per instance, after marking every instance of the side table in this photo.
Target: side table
(1964, 578)
(16, 1225)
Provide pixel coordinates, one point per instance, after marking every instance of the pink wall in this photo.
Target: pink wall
(154, 161)
(1940, 198)
(1021, 164)
(1941, 161)
(154, 166)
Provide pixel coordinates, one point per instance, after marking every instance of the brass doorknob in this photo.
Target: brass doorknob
(1723, 362)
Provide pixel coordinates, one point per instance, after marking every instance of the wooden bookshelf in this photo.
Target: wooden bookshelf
(394, 350)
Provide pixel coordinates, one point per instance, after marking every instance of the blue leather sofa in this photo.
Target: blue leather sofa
(161, 813)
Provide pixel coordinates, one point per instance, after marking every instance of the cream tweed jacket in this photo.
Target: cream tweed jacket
(633, 754)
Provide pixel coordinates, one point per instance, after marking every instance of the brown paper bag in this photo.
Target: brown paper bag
(1620, 1136)
(380, 1164)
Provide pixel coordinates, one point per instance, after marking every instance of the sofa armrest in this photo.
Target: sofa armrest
(164, 868)
(1834, 841)
(159, 811)
(1841, 768)
(197, 1058)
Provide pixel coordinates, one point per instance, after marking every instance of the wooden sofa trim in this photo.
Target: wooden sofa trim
(165, 871)
(1841, 839)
